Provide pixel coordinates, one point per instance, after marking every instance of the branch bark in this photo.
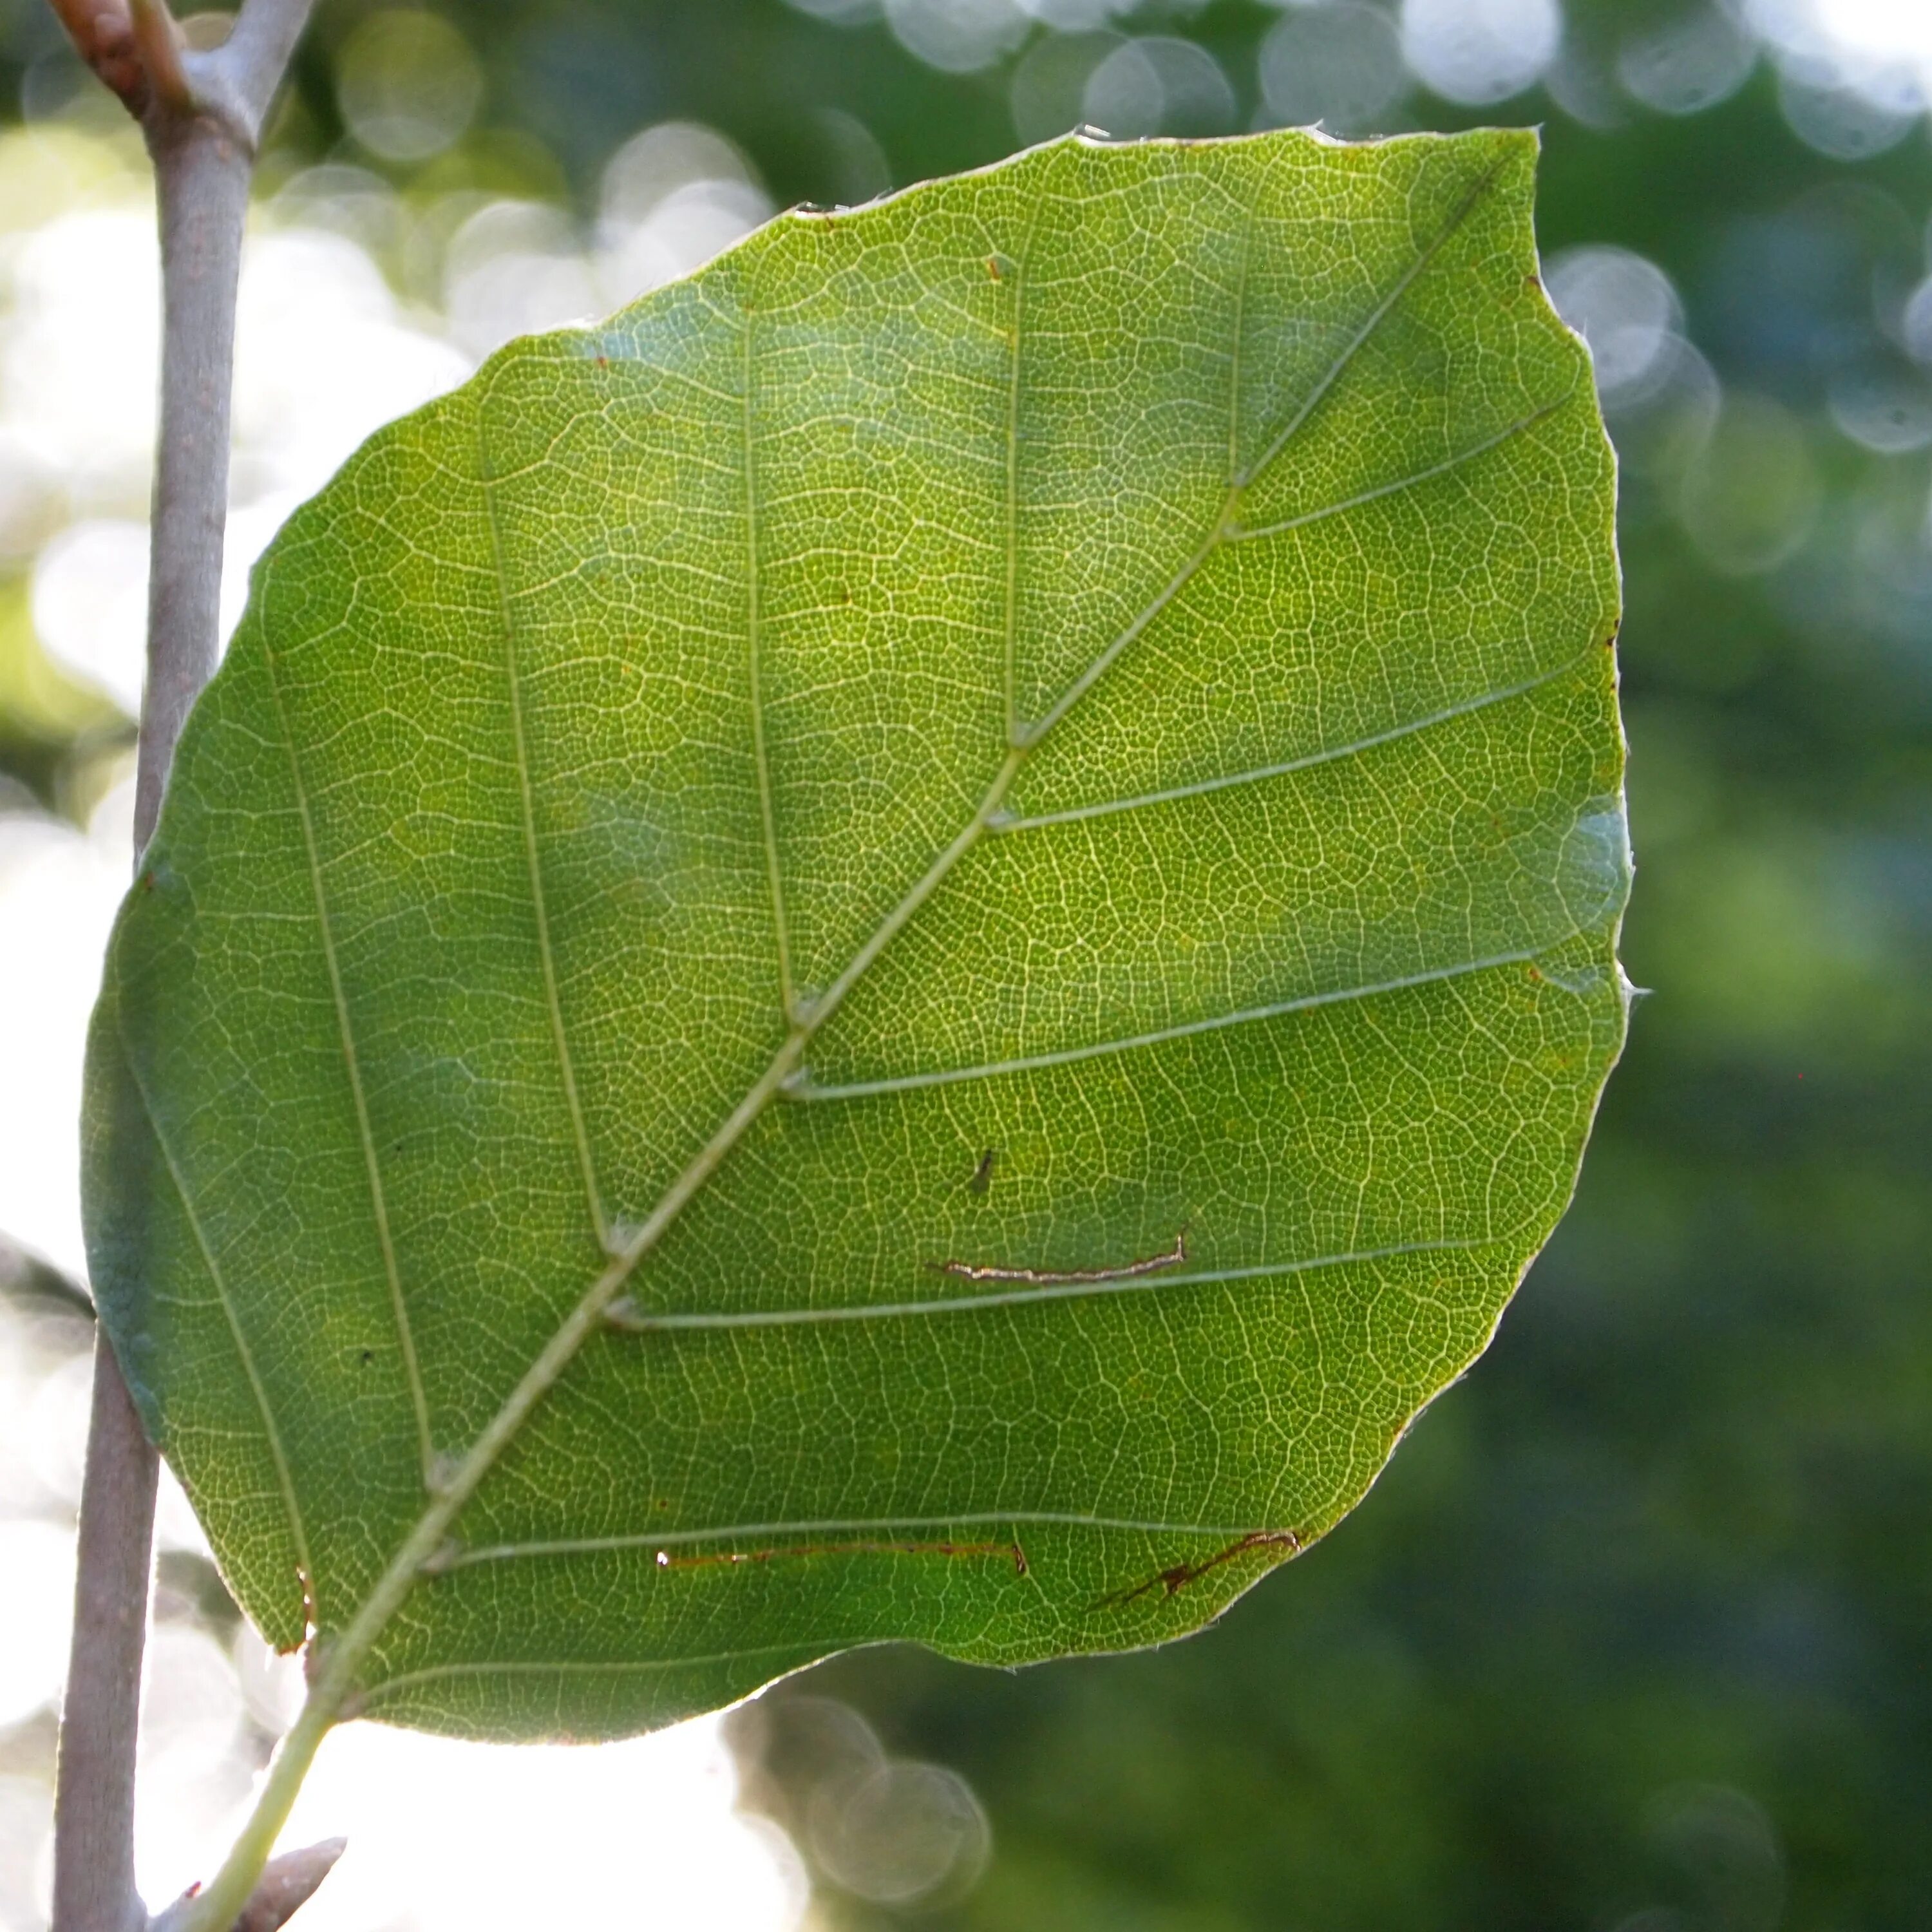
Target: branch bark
(202, 114)
(201, 173)
(94, 1797)
(103, 33)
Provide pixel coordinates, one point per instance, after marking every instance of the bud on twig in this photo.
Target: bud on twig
(286, 1884)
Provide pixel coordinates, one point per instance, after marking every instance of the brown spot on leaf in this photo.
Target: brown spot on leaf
(1172, 1257)
(1176, 1578)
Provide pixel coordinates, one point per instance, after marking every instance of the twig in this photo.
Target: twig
(257, 55)
(136, 51)
(103, 33)
(94, 1797)
(157, 41)
(286, 1884)
(202, 172)
(202, 114)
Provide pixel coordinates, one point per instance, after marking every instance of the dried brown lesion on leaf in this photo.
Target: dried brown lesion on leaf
(1172, 1581)
(1168, 1258)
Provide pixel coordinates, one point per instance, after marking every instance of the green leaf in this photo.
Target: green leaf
(904, 946)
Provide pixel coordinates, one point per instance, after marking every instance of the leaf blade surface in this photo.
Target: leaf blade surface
(1099, 668)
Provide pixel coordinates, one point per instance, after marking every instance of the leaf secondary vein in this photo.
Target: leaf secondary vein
(1010, 664)
(1370, 322)
(644, 1322)
(578, 1666)
(1376, 492)
(754, 642)
(594, 1546)
(418, 1398)
(1328, 755)
(806, 1089)
(1234, 354)
(532, 856)
(284, 1477)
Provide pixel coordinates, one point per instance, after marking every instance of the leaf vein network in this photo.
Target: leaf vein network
(379, 1202)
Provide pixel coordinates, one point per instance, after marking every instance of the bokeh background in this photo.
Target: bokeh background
(1635, 1632)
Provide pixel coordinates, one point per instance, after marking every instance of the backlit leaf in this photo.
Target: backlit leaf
(1013, 799)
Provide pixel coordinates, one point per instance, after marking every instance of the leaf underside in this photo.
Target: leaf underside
(1107, 655)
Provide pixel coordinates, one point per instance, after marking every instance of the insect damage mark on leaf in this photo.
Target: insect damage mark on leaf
(1172, 1581)
(1049, 1277)
(307, 1640)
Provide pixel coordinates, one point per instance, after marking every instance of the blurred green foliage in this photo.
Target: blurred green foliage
(1634, 1632)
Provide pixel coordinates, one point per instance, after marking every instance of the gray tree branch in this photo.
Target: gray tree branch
(93, 1793)
(257, 53)
(201, 114)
